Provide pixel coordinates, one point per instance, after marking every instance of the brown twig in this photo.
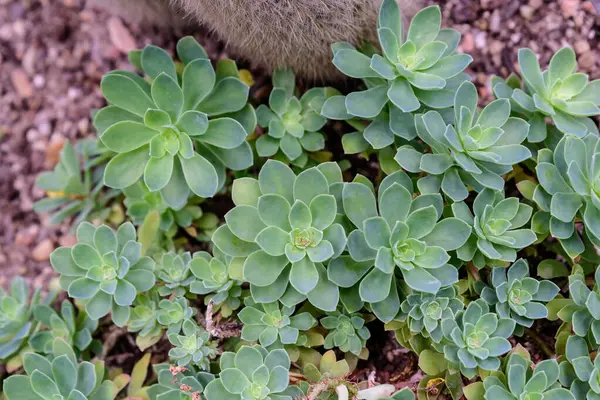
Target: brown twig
(223, 331)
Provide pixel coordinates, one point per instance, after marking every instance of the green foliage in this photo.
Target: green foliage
(579, 372)
(346, 332)
(173, 313)
(106, 269)
(583, 312)
(144, 320)
(174, 273)
(193, 347)
(177, 385)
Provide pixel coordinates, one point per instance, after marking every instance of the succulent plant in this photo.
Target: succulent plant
(252, 373)
(193, 347)
(180, 130)
(213, 278)
(140, 201)
(61, 378)
(328, 367)
(292, 124)
(476, 151)
(284, 227)
(516, 295)
(570, 187)
(75, 330)
(173, 313)
(497, 228)
(144, 320)
(177, 384)
(346, 332)
(579, 372)
(174, 273)
(270, 324)
(560, 93)
(105, 268)
(524, 381)
(405, 235)
(583, 311)
(476, 338)
(424, 312)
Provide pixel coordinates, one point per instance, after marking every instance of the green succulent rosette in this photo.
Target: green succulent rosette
(192, 346)
(346, 332)
(580, 372)
(181, 385)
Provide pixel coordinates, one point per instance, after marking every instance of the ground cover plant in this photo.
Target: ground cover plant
(480, 225)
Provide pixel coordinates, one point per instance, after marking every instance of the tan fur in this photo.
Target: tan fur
(295, 33)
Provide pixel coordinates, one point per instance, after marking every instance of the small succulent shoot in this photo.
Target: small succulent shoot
(252, 373)
(105, 268)
(292, 125)
(329, 367)
(346, 332)
(177, 383)
(584, 310)
(476, 151)
(192, 347)
(522, 380)
(176, 129)
(284, 227)
(144, 320)
(424, 312)
(140, 202)
(405, 235)
(498, 229)
(476, 339)
(516, 295)
(570, 188)
(175, 274)
(213, 279)
(273, 325)
(560, 93)
(173, 313)
(61, 378)
(580, 372)
(72, 192)
(75, 330)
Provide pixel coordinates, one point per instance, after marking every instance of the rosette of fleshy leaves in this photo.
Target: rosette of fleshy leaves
(16, 315)
(346, 332)
(523, 380)
(274, 325)
(516, 295)
(476, 338)
(173, 313)
(560, 93)
(498, 231)
(580, 372)
(214, 279)
(476, 151)
(73, 188)
(105, 268)
(253, 373)
(178, 383)
(174, 273)
(569, 188)
(292, 124)
(140, 201)
(284, 228)
(421, 69)
(192, 346)
(61, 378)
(396, 233)
(76, 330)
(144, 320)
(424, 312)
(181, 130)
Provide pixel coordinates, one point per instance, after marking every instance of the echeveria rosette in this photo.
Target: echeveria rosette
(144, 320)
(252, 373)
(292, 124)
(174, 273)
(570, 188)
(346, 332)
(476, 338)
(273, 325)
(182, 385)
(523, 381)
(179, 132)
(580, 372)
(584, 311)
(560, 93)
(213, 279)
(498, 231)
(284, 227)
(514, 294)
(424, 312)
(105, 268)
(61, 378)
(192, 346)
(396, 233)
(173, 313)
(474, 152)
